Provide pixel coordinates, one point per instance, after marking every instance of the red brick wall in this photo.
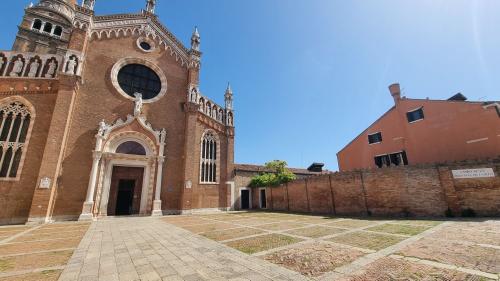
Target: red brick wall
(412, 190)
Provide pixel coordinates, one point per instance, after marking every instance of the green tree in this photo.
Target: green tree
(279, 175)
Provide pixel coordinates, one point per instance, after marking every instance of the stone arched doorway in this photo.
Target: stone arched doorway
(127, 156)
(126, 183)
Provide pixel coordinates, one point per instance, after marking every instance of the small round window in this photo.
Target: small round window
(137, 78)
(145, 46)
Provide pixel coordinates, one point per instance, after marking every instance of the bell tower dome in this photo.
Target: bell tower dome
(46, 27)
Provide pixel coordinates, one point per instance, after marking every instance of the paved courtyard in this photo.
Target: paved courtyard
(252, 246)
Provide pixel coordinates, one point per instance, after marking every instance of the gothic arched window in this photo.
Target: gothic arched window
(209, 158)
(15, 119)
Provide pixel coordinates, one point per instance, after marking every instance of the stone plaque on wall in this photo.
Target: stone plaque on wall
(45, 183)
(473, 173)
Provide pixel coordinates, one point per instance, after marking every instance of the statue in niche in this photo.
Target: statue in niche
(17, 68)
(71, 66)
(52, 69)
(102, 128)
(33, 68)
(193, 95)
(229, 119)
(138, 104)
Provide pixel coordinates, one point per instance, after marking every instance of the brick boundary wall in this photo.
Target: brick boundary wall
(423, 190)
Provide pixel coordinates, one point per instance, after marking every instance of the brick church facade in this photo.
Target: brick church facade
(102, 115)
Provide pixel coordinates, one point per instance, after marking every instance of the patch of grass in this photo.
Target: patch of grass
(32, 261)
(262, 243)
(47, 275)
(208, 227)
(351, 223)
(367, 240)
(221, 235)
(5, 265)
(399, 229)
(315, 231)
(282, 226)
(419, 222)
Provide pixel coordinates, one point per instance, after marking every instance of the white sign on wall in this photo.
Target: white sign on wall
(473, 173)
(45, 183)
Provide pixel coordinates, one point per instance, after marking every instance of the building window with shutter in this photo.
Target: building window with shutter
(209, 158)
(15, 125)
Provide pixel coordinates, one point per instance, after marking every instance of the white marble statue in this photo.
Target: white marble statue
(51, 71)
(138, 104)
(163, 135)
(33, 68)
(71, 66)
(194, 95)
(17, 68)
(102, 128)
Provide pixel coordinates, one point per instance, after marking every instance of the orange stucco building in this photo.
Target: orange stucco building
(416, 131)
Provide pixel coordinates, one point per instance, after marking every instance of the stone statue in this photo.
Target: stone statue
(51, 71)
(193, 95)
(89, 4)
(17, 68)
(163, 135)
(138, 104)
(33, 68)
(71, 66)
(102, 128)
(229, 119)
(150, 6)
(195, 40)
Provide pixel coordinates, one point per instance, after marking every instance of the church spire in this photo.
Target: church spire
(228, 97)
(150, 6)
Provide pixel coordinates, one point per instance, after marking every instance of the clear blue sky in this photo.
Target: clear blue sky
(310, 75)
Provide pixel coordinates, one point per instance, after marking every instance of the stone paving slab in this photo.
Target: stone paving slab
(149, 249)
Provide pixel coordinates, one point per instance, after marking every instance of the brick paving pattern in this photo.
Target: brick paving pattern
(280, 247)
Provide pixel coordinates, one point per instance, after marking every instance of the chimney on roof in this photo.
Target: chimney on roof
(395, 90)
(316, 167)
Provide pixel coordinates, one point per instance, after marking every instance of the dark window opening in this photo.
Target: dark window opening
(375, 138)
(131, 147)
(58, 31)
(394, 159)
(37, 24)
(137, 78)
(47, 27)
(415, 115)
(263, 199)
(145, 46)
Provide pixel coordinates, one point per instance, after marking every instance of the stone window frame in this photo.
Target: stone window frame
(53, 28)
(32, 113)
(215, 161)
(126, 61)
(147, 40)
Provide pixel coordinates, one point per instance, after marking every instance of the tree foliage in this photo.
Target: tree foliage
(279, 175)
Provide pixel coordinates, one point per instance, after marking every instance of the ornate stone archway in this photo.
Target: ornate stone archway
(108, 138)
